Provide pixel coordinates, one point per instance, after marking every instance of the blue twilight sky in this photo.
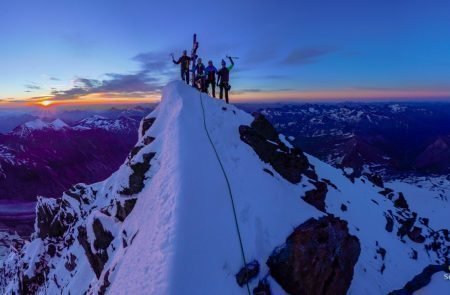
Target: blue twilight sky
(107, 49)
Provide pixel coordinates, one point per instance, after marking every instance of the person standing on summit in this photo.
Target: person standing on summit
(211, 72)
(184, 60)
(223, 78)
(200, 75)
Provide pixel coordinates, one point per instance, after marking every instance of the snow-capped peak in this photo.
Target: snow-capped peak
(207, 188)
(100, 122)
(94, 118)
(397, 108)
(36, 124)
(58, 124)
(39, 125)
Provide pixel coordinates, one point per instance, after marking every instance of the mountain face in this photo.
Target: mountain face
(120, 125)
(436, 156)
(385, 138)
(40, 158)
(46, 158)
(30, 127)
(11, 118)
(212, 200)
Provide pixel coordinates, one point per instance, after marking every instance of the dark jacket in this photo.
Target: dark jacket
(223, 75)
(211, 72)
(200, 69)
(184, 60)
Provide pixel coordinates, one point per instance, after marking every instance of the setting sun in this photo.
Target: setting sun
(45, 103)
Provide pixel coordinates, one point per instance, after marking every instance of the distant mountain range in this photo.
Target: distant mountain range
(386, 138)
(45, 157)
(10, 119)
(212, 200)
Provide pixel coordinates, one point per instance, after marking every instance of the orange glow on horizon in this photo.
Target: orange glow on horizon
(46, 103)
(351, 94)
(90, 100)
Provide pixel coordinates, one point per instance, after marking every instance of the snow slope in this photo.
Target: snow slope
(190, 211)
(181, 237)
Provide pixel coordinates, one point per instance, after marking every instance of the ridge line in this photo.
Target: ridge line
(228, 185)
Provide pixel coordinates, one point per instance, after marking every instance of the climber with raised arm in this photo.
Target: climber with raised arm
(223, 78)
(184, 60)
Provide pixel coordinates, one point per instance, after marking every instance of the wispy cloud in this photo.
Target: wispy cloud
(149, 79)
(259, 90)
(38, 98)
(307, 55)
(32, 87)
(248, 90)
(51, 78)
(157, 63)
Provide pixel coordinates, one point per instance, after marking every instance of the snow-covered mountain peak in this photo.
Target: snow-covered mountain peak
(100, 122)
(209, 187)
(39, 125)
(94, 118)
(36, 124)
(397, 108)
(58, 124)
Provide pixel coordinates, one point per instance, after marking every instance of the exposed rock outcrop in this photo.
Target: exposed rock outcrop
(102, 241)
(420, 280)
(318, 258)
(415, 235)
(71, 262)
(137, 178)
(389, 221)
(146, 124)
(263, 288)
(316, 197)
(52, 218)
(387, 192)
(31, 284)
(134, 151)
(375, 179)
(406, 225)
(124, 208)
(82, 193)
(401, 202)
(247, 273)
(289, 162)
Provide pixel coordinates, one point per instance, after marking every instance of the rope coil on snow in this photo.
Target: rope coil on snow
(228, 185)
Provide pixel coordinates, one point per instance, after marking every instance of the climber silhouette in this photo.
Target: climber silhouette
(184, 60)
(223, 78)
(211, 72)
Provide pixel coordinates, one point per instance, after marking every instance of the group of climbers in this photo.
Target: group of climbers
(204, 77)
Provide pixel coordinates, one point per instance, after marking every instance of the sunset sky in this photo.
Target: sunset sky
(98, 51)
